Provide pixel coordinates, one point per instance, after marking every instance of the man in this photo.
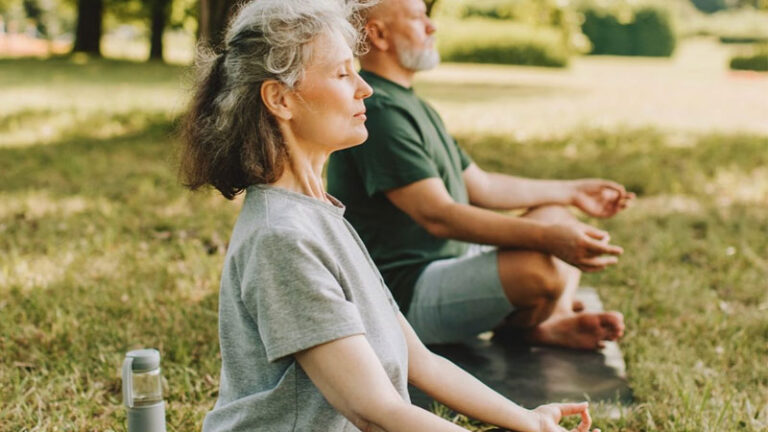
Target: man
(423, 209)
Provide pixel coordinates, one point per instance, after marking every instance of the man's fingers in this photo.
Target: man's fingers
(595, 233)
(600, 248)
(600, 261)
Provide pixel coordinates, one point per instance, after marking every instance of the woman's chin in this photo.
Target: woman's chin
(356, 141)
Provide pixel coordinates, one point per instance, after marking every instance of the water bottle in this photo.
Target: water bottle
(143, 391)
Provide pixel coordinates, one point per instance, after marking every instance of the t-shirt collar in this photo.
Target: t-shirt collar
(368, 75)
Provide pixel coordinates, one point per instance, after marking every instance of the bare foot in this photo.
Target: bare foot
(577, 306)
(587, 331)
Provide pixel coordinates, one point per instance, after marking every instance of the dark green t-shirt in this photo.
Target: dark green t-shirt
(407, 142)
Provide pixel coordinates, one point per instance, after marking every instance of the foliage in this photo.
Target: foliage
(490, 41)
(626, 29)
(550, 14)
(103, 252)
(756, 61)
(729, 25)
(710, 5)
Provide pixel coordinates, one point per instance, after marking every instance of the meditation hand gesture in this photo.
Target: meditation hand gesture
(582, 246)
(551, 414)
(600, 198)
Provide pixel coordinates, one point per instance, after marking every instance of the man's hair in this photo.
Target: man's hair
(230, 140)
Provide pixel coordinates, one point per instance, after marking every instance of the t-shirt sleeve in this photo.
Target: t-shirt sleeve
(394, 154)
(289, 286)
(466, 161)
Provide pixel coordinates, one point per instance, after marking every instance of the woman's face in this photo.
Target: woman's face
(327, 106)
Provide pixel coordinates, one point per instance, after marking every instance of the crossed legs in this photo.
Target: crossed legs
(542, 288)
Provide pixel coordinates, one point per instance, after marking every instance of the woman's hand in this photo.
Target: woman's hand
(551, 414)
(600, 198)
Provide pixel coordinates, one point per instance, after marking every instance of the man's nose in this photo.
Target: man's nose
(430, 27)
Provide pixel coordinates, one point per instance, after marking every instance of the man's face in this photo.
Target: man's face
(412, 35)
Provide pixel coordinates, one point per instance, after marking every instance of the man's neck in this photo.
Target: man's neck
(389, 69)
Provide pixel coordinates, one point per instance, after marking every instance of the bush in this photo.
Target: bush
(501, 42)
(627, 30)
(710, 6)
(742, 39)
(744, 25)
(757, 61)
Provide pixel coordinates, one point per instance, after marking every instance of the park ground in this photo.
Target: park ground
(103, 251)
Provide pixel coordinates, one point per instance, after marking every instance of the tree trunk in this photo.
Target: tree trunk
(88, 31)
(158, 19)
(430, 6)
(214, 16)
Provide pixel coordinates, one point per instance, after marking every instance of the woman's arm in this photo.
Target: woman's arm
(452, 386)
(348, 373)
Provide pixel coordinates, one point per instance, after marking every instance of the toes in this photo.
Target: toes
(612, 324)
(577, 306)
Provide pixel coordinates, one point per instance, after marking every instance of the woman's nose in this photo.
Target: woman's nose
(363, 89)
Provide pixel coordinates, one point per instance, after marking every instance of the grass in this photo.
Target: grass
(103, 252)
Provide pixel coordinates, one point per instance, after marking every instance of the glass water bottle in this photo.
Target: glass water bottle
(143, 391)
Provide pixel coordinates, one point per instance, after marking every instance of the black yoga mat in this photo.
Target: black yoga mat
(531, 376)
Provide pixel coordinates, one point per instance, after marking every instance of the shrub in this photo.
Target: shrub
(757, 61)
(744, 25)
(643, 30)
(501, 42)
(742, 39)
(710, 6)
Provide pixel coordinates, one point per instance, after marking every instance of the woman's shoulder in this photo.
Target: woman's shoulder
(274, 217)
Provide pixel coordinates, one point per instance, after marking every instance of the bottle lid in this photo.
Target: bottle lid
(144, 359)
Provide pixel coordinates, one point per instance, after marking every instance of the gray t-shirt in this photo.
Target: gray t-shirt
(296, 275)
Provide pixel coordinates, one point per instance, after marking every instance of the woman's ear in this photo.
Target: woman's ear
(273, 94)
(377, 34)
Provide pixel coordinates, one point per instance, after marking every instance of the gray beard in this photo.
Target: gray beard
(416, 60)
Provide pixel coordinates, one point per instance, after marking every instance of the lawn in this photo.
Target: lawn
(103, 251)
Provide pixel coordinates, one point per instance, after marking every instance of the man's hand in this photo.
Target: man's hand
(600, 198)
(551, 414)
(582, 246)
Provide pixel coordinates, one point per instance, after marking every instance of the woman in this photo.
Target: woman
(310, 337)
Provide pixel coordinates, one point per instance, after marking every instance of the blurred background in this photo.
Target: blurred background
(102, 250)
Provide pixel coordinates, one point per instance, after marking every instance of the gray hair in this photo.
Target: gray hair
(230, 140)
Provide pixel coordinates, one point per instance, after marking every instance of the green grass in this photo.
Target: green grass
(103, 251)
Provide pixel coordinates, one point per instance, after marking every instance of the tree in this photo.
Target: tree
(90, 14)
(159, 11)
(213, 19)
(430, 6)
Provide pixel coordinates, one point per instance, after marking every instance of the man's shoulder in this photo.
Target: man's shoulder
(384, 98)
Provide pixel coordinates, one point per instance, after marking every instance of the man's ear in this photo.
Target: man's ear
(273, 94)
(378, 34)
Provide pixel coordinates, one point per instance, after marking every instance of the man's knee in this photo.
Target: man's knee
(547, 280)
(530, 277)
(550, 213)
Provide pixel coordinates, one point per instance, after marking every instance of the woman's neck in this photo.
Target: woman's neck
(303, 173)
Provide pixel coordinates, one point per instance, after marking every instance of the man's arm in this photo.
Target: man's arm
(504, 192)
(431, 206)
(595, 197)
(452, 386)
